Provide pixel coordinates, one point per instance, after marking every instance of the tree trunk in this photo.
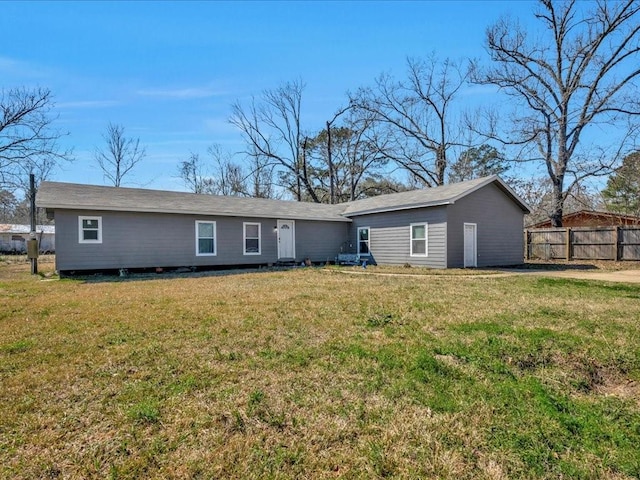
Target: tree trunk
(332, 189)
(558, 202)
(441, 165)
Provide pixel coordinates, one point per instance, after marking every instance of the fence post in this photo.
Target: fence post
(568, 244)
(617, 244)
(526, 244)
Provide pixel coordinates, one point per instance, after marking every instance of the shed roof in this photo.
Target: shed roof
(429, 197)
(55, 195)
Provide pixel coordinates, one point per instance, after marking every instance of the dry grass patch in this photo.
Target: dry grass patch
(409, 270)
(310, 374)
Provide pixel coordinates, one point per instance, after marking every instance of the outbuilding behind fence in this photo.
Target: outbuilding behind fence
(583, 243)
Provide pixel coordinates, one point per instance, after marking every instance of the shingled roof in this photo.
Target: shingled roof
(55, 195)
(428, 197)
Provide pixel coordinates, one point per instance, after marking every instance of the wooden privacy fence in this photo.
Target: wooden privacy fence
(583, 243)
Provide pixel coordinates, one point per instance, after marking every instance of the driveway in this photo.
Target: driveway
(622, 276)
(627, 276)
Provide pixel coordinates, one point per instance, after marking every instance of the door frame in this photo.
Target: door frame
(470, 262)
(292, 224)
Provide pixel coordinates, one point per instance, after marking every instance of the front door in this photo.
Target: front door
(470, 245)
(286, 239)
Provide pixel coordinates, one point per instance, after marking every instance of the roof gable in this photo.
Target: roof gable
(429, 197)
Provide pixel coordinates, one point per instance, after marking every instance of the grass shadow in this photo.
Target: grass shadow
(137, 276)
(553, 267)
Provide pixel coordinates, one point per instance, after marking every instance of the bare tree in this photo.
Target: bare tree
(8, 206)
(345, 160)
(221, 177)
(260, 181)
(578, 70)
(537, 192)
(121, 155)
(418, 113)
(28, 141)
(192, 172)
(272, 130)
(228, 177)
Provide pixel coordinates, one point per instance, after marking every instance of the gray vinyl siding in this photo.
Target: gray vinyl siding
(147, 240)
(320, 241)
(390, 236)
(499, 223)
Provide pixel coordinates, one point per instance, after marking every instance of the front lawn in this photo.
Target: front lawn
(311, 373)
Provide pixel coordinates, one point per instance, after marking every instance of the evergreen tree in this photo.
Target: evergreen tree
(622, 193)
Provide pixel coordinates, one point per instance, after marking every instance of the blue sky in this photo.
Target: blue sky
(169, 71)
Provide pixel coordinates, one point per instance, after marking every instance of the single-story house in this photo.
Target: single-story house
(13, 238)
(591, 218)
(470, 224)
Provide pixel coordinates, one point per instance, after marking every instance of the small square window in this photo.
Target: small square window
(90, 229)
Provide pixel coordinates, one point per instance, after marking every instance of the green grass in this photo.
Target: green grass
(315, 374)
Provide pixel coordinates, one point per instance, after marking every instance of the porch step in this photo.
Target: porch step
(286, 262)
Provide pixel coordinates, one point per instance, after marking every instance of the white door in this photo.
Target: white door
(470, 245)
(286, 239)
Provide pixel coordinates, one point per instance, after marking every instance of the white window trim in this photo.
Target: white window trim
(426, 239)
(215, 240)
(81, 238)
(368, 241)
(244, 238)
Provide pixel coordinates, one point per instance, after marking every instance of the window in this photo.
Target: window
(418, 239)
(90, 229)
(251, 238)
(363, 241)
(205, 238)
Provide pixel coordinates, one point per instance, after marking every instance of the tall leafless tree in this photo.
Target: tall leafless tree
(272, 130)
(260, 178)
(28, 141)
(192, 172)
(228, 177)
(120, 156)
(346, 159)
(218, 176)
(577, 71)
(419, 115)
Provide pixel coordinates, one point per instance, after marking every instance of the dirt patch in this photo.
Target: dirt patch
(626, 276)
(606, 265)
(626, 389)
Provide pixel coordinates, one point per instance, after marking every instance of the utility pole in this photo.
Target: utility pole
(32, 246)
